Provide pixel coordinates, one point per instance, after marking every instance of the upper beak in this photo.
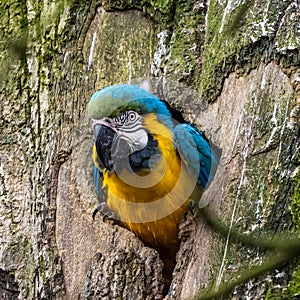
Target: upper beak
(104, 134)
(96, 125)
(111, 148)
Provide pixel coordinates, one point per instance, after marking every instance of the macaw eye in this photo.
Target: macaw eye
(131, 116)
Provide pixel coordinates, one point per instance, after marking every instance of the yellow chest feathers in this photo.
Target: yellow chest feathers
(151, 195)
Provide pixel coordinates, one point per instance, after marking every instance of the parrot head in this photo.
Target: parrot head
(117, 115)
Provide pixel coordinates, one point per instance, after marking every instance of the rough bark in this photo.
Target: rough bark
(238, 67)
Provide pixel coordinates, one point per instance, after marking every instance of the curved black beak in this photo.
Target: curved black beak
(104, 141)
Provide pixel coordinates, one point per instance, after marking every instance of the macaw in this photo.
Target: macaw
(150, 165)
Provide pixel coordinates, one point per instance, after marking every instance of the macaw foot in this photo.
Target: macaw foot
(191, 209)
(108, 215)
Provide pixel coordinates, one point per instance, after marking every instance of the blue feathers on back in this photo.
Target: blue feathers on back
(196, 151)
(97, 181)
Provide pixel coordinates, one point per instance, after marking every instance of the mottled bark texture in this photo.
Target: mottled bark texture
(238, 64)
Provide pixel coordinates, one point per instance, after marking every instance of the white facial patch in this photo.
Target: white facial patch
(130, 129)
(139, 139)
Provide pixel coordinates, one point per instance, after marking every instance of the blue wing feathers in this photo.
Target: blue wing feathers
(195, 150)
(98, 182)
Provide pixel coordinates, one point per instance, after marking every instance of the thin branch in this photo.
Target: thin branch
(277, 243)
(284, 250)
(226, 289)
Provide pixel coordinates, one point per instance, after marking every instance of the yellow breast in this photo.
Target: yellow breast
(152, 195)
(151, 203)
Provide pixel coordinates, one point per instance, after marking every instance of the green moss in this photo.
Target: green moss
(13, 36)
(159, 11)
(30, 52)
(294, 286)
(295, 205)
(272, 294)
(223, 41)
(124, 53)
(183, 22)
(240, 37)
(184, 61)
(42, 268)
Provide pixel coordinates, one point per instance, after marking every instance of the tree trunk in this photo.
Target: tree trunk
(231, 67)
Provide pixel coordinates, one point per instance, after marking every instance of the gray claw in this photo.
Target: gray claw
(110, 215)
(106, 212)
(102, 207)
(192, 204)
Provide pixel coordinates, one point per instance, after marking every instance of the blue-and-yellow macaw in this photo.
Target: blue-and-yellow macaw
(148, 166)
